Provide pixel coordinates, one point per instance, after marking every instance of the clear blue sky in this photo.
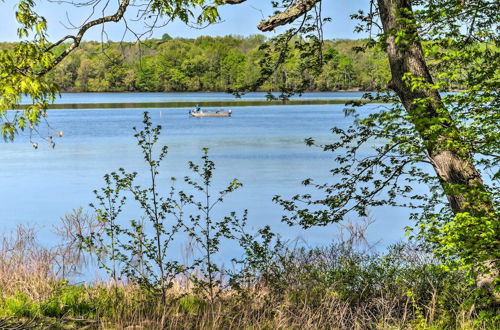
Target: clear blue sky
(238, 20)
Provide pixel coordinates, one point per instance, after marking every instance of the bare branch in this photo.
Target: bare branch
(59, 42)
(288, 16)
(232, 2)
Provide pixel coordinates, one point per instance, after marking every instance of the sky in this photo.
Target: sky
(239, 19)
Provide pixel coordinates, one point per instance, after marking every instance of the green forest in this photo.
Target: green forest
(215, 64)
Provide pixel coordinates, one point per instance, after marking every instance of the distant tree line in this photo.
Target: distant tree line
(210, 64)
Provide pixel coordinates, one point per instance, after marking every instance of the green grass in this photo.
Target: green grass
(320, 288)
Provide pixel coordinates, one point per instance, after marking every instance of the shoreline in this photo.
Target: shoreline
(206, 104)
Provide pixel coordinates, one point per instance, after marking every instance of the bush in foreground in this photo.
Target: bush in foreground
(331, 287)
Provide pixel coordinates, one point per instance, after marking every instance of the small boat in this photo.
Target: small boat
(218, 113)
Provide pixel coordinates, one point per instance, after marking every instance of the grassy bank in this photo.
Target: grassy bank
(335, 287)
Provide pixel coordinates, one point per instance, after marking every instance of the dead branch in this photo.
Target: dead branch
(288, 16)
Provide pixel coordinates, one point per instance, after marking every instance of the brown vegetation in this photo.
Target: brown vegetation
(339, 287)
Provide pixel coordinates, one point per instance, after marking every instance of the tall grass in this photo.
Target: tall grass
(26, 267)
(334, 287)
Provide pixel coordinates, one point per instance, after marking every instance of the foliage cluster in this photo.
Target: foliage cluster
(210, 64)
(31, 56)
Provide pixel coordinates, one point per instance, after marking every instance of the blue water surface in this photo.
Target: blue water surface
(263, 147)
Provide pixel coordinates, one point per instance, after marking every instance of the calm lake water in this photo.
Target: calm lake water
(261, 146)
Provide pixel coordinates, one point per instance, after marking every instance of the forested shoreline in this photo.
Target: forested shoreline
(217, 64)
(210, 64)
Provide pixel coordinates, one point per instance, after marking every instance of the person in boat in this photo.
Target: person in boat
(197, 108)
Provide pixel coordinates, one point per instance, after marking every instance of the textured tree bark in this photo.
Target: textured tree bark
(454, 167)
(460, 179)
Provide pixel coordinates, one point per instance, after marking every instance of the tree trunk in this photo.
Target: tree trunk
(451, 158)
(455, 168)
(459, 178)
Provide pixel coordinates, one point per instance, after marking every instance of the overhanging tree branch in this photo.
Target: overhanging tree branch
(232, 2)
(288, 16)
(117, 16)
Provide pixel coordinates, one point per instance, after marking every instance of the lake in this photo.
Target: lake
(263, 147)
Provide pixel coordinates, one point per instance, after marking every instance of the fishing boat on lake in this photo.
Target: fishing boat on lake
(217, 113)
